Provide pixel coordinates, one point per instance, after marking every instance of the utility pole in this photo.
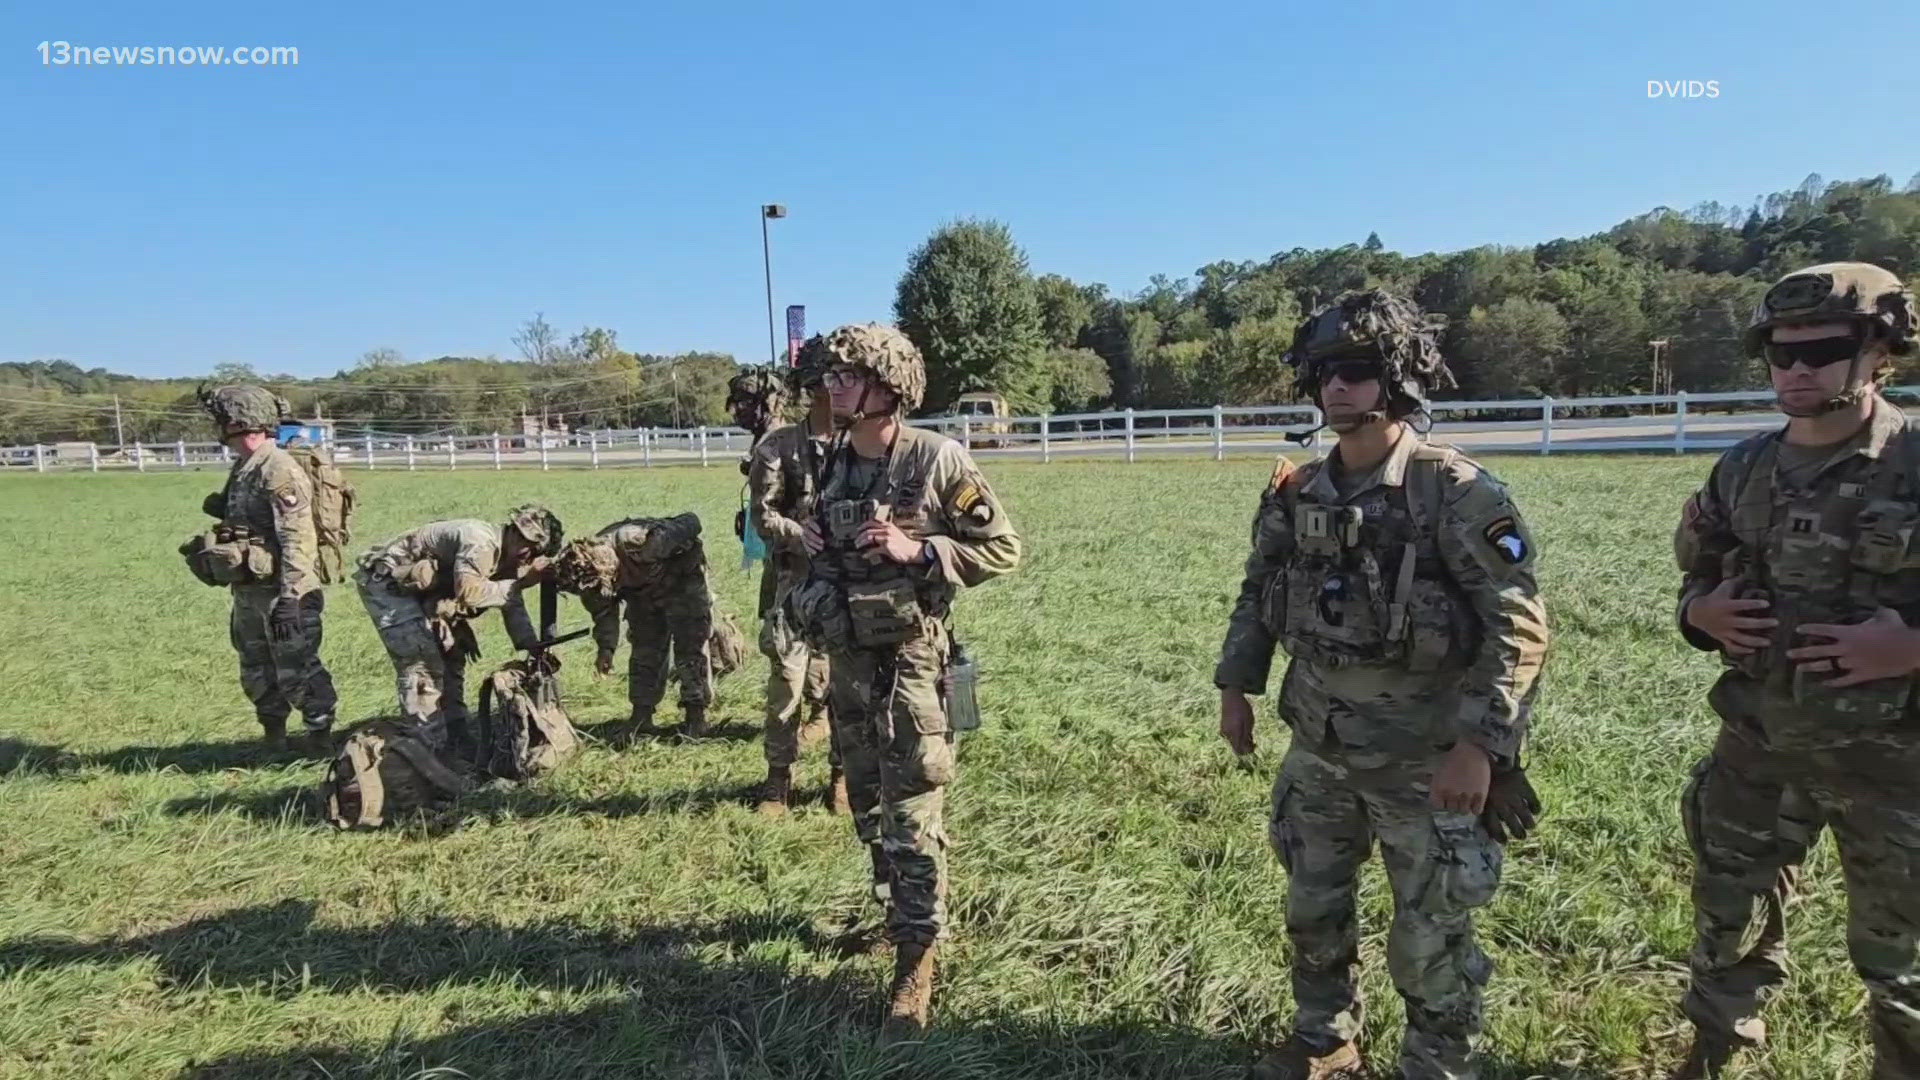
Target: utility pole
(119, 432)
(1660, 376)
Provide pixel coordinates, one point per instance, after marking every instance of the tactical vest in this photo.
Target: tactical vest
(1365, 583)
(850, 600)
(1833, 553)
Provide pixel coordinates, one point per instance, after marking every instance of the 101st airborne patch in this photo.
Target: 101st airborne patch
(1504, 537)
(970, 502)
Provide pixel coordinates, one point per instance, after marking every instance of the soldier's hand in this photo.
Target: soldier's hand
(603, 664)
(1512, 806)
(885, 539)
(1737, 624)
(535, 569)
(1460, 782)
(283, 620)
(1883, 647)
(811, 536)
(1236, 721)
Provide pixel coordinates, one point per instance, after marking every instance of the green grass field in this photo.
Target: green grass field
(172, 907)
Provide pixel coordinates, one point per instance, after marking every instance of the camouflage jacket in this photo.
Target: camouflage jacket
(455, 560)
(1416, 592)
(929, 486)
(1833, 553)
(658, 556)
(269, 494)
(783, 470)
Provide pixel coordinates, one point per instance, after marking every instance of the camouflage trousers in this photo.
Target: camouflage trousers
(280, 676)
(431, 677)
(897, 750)
(796, 689)
(1751, 814)
(669, 624)
(1441, 866)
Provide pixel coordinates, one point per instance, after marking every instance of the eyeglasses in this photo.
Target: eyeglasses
(1355, 371)
(1818, 353)
(844, 378)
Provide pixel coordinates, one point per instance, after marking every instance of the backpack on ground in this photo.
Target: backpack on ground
(523, 730)
(726, 646)
(333, 505)
(385, 772)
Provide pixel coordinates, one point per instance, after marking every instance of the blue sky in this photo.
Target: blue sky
(431, 174)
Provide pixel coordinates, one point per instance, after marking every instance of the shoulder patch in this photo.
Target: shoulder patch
(1506, 540)
(1283, 470)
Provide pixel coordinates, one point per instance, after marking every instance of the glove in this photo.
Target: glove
(283, 620)
(603, 663)
(1512, 806)
(215, 505)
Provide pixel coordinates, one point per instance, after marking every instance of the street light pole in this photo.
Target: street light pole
(768, 212)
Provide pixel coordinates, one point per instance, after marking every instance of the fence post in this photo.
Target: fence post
(226, 454)
(1546, 423)
(409, 453)
(139, 456)
(1046, 437)
(39, 458)
(1680, 422)
(593, 448)
(369, 449)
(496, 451)
(1129, 434)
(543, 452)
(1219, 433)
(646, 446)
(93, 455)
(452, 462)
(180, 454)
(703, 446)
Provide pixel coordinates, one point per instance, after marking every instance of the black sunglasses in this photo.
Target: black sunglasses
(1355, 371)
(1819, 353)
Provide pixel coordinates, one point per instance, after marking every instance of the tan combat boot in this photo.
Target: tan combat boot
(1707, 1058)
(1298, 1061)
(837, 792)
(912, 996)
(815, 728)
(776, 791)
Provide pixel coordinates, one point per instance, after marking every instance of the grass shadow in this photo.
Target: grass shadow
(21, 758)
(302, 804)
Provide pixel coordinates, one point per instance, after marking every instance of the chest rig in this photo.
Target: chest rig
(850, 599)
(1364, 583)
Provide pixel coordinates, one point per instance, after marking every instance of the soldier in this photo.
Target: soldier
(904, 519)
(782, 471)
(657, 567)
(275, 626)
(425, 587)
(1400, 579)
(1801, 571)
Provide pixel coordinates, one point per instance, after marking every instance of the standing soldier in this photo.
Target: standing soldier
(1802, 571)
(782, 471)
(425, 587)
(1399, 577)
(266, 520)
(657, 567)
(904, 519)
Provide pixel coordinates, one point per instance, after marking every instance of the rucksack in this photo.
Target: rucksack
(383, 773)
(726, 646)
(523, 731)
(333, 505)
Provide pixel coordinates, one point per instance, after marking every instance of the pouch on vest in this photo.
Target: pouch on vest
(882, 615)
(223, 556)
(815, 611)
(1886, 531)
(1326, 530)
(1876, 704)
(1437, 632)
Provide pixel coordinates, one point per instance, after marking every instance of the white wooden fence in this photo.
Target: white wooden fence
(1671, 423)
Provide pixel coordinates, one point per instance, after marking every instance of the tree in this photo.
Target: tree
(968, 301)
(232, 372)
(1066, 310)
(1080, 380)
(537, 341)
(1510, 349)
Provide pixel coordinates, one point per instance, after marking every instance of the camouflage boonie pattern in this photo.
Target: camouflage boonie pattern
(883, 350)
(269, 494)
(1411, 615)
(1793, 752)
(422, 589)
(895, 741)
(781, 476)
(660, 575)
(240, 408)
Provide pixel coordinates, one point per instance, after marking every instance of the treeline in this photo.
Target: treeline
(1568, 317)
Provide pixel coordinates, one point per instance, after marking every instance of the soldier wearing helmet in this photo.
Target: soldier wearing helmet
(266, 520)
(1801, 568)
(424, 588)
(1399, 577)
(657, 569)
(783, 470)
(903, 520)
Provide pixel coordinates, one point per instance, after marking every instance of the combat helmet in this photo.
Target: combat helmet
(882, 350)
(757, 391)
(1374, 325)
(240, 408)
(587, 565)
(1873, 299)
(538, 526)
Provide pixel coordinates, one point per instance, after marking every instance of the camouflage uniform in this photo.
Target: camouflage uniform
(1405, 599)
(657, 567)
(269, 495)
(422, 590)
(781, 477)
